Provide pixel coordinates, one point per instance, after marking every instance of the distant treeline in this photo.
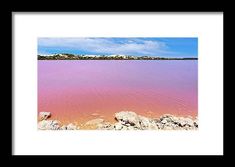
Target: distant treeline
(66, 56)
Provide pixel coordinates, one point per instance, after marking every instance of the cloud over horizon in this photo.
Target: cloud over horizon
(128, 46)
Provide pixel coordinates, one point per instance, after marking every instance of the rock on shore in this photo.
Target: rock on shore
(46, 124)
(49, 125)
(126, 120)
(44, 115)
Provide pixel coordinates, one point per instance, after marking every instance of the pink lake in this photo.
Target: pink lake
(80, 90)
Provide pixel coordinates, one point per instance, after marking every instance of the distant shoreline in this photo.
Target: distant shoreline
(105, 57)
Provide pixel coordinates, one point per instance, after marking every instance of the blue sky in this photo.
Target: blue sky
(163, 47)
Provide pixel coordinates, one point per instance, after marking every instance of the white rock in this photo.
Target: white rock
(175, 119)
(118, 126)
(181, 121)
(164, 121)
(48, 125)
(147, 123)
(189, 122)
(160, 125)
(44, 115)
(127, 117)
(71, 127)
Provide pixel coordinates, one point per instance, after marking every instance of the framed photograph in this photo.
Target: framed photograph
(107, 83)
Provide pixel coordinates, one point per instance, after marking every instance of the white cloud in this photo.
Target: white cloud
(107, 45)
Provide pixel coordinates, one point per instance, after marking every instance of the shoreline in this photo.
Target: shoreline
(125, 120)
(68, 56)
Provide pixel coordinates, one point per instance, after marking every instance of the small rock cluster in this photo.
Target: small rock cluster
(45, 124)
(128, 120)
(170, 122)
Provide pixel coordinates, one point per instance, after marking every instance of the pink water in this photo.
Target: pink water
(77, 91)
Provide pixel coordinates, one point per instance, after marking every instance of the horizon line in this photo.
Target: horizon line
(114, 54)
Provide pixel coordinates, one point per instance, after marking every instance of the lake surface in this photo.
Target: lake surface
(77, 91)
